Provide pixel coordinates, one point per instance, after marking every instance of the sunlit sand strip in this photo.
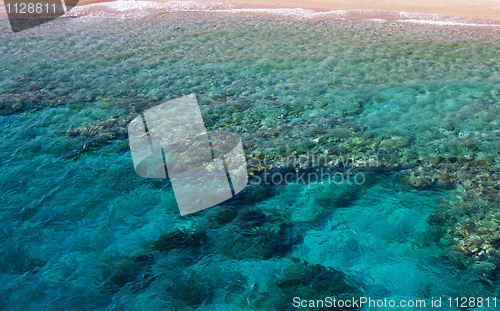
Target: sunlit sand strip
(136, 8)
(131, 9)
(445, 23)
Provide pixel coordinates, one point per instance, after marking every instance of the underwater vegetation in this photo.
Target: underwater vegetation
(415, 105)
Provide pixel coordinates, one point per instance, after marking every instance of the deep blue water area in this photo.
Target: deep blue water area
(411, 111)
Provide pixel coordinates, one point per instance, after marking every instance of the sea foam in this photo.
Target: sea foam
(132, 8)
(138, 8)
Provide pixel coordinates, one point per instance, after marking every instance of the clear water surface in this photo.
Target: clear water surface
(79, 230)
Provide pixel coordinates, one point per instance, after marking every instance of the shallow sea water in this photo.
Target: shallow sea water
(81, 231)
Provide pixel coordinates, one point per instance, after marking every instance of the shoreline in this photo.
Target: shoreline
(442, 13)
(462, 9)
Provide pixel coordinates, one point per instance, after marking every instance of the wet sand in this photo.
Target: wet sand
(482, 10)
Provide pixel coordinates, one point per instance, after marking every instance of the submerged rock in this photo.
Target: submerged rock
(222, 214)
(132, 274)
(250, 218)
(178, 239)
(253, 234)
(313, 282)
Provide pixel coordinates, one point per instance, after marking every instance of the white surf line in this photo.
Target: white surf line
(444, 23)
(132, 7)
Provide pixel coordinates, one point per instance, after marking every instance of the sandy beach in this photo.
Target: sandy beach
(482, 10)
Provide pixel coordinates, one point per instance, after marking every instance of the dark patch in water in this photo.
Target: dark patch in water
(133, 274)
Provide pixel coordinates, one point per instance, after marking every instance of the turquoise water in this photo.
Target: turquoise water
(81, 231)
